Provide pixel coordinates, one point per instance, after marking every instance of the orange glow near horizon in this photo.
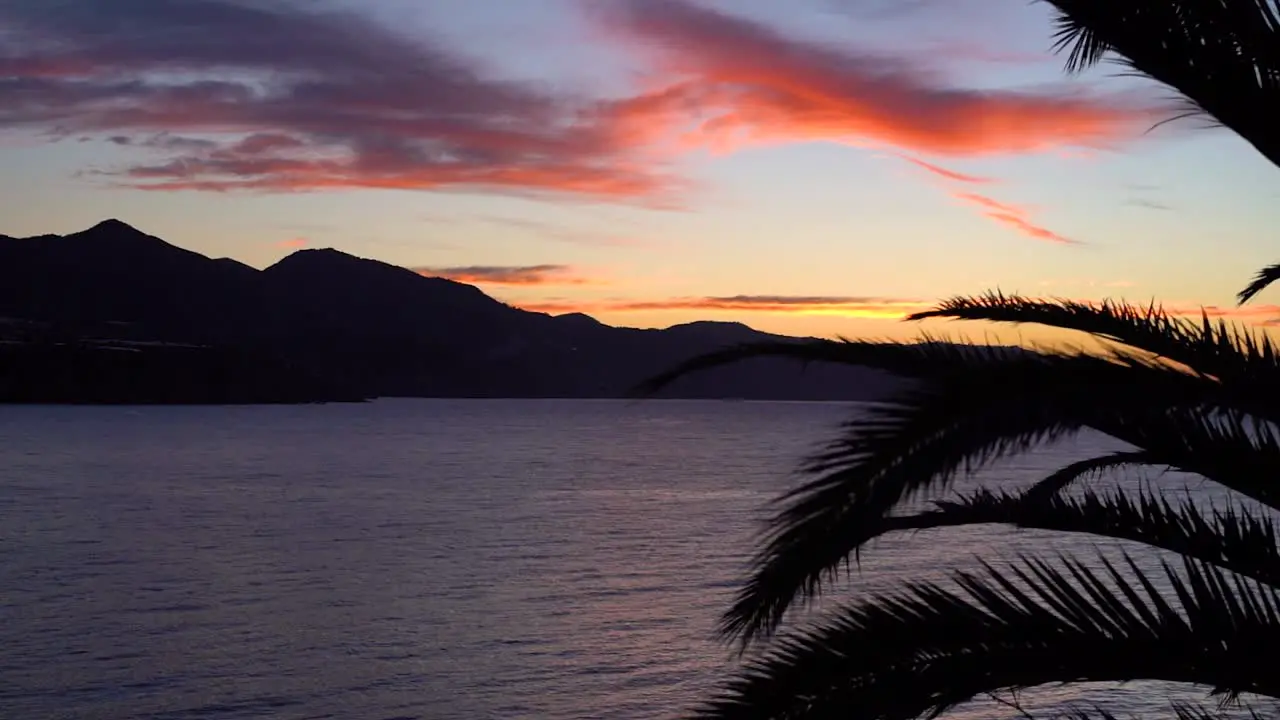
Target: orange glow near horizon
(858, 317)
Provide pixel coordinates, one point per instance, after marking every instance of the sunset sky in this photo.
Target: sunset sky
(804, 166)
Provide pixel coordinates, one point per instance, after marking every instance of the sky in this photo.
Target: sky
(808, 167)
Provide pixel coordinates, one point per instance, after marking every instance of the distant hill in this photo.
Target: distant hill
(112, 314)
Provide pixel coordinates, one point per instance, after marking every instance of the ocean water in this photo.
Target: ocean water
(432, 559)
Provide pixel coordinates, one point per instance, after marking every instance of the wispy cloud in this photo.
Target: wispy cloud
(1013, 217)
(518, 275)
(970, 52)
(947, 174)
(1148, 204)
(864, 307)
(294, 243)
(742, 82)
(288, 97)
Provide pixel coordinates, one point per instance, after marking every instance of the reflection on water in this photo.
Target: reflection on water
(401, 559)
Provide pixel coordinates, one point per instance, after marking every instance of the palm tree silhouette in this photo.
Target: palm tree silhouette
(1200, 397)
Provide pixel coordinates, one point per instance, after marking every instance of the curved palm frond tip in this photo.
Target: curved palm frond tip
(1264, 279)
(1245, 361)
(1220, 56)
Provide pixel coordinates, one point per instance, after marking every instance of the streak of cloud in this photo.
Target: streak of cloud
(739, 82)
(1148, 204)
(294, 243)
(969, 52)
(947, 174)
(863, 307)
(517, 275)
(1013, 217)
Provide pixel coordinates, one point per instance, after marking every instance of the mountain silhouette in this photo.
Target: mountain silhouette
(112, 314)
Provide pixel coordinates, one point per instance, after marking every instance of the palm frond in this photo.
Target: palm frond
(1265, 277)
(922, 651)
(1223, 56)
(826, 524)
(1224, 445)
(1229, 352)
(954, 425)
(922, 359)
(898, 450)
(1232, 537)
(1187, 711)
(1061, 478)
(1181, 711)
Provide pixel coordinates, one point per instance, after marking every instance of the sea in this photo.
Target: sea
(433, 559)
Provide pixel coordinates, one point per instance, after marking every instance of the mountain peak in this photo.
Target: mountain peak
(317, 254)
(578, 319)
(115, 226)
(330, 265)
(117, 236)
(320, 258)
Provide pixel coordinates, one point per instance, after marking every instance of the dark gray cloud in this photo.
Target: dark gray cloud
(301, 98)
(1149, 204)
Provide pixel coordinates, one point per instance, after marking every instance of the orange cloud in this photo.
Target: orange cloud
(1012, 216)
(862, 307)
(737, 82)
(521, 275)
(293, 243)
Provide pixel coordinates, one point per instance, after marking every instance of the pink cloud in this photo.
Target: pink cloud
(1013, 217)
(947, 174)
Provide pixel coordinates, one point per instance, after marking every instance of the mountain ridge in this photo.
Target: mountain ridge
(359, 326)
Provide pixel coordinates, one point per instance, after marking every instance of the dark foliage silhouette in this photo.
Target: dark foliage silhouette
(1195, 397)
